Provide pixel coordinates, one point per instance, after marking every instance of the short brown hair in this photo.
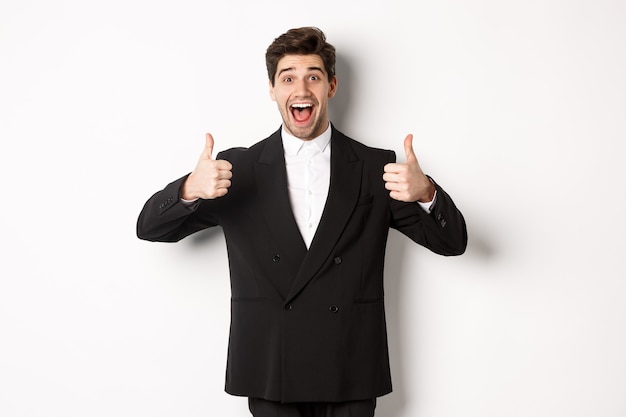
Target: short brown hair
(300, 41)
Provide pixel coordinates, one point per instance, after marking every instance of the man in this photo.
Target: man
(306, 214)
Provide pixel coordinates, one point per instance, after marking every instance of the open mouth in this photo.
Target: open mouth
(301, 112)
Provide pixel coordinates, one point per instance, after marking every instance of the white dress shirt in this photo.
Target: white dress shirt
(308, 179)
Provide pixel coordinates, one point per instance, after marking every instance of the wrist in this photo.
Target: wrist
(429, 193)
(185, 192)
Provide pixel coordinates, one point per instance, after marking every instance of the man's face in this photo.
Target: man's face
(301, 90)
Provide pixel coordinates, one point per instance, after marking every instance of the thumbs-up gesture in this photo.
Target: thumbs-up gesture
(210, 179)
(406, 182)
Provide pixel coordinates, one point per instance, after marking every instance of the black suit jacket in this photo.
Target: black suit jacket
(306, 325)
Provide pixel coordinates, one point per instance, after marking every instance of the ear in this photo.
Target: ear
(332, 88)
(272, 95)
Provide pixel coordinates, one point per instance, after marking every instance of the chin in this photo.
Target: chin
(301, 132)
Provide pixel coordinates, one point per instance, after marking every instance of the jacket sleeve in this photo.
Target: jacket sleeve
(164, 218)
(443, 230)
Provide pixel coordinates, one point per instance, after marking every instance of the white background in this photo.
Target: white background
(518, 109)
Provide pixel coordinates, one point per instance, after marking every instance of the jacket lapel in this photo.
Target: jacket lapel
(345, 180)
(271, 179)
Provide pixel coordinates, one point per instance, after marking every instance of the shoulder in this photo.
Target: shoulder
(254, 152)
(361, 150)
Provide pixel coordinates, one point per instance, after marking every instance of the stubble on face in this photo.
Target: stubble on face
(301, 90)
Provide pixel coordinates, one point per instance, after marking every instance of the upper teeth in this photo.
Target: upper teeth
(301, 105)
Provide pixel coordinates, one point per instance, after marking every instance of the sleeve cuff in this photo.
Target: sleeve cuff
(190, 204)
(428, 205)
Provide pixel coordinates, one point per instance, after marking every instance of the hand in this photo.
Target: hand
(406, 182)
(210, 179)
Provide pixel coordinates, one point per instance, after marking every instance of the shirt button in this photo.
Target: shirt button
(338, 260)
(333, 309)
(288, 307)
(276, 258)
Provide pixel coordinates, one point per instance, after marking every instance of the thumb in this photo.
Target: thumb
(408, 149)
(207, 152)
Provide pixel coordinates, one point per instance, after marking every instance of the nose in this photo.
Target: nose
(301, 87)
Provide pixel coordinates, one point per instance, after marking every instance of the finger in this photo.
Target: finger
(392, 177)
(221, 187)
(396, 186)
(393, 167)
(391, 186)
(223, 164)
(408, 149)
(224, 174)
(400, 196)
(207, 152)
(225, 183)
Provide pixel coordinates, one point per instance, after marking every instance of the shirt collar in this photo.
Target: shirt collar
(292, 144)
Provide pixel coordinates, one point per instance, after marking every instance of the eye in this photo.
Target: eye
(287, 79)
(314, 78)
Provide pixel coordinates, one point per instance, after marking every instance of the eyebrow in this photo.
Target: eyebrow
(292, 69)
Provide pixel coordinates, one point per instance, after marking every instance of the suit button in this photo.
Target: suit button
(338, 260)
(333, 309)
(276, 258)
(288, 307)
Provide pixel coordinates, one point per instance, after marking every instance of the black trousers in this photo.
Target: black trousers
(264, 408)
